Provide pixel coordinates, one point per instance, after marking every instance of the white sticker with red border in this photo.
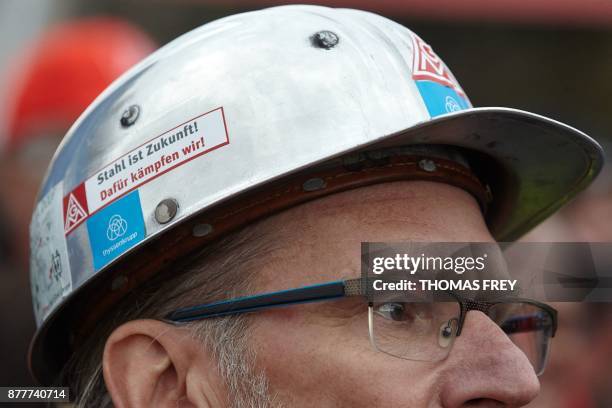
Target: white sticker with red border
(148, 161)
(49, 266)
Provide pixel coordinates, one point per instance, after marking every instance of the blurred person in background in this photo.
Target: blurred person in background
(589, 218)
(48, 86)
(585, 329)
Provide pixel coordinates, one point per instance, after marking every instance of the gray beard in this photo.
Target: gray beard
(246, 387)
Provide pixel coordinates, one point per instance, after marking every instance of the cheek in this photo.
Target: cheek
(319, 364)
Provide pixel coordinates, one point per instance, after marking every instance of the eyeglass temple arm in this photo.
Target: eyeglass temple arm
(312, 293)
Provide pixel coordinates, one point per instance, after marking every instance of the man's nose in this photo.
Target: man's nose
(485, 369)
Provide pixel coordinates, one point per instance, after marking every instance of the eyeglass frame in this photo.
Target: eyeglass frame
(330, 291)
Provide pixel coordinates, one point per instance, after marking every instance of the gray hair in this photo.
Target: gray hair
(221, 270)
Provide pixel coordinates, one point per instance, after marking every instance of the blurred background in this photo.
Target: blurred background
(552, 57)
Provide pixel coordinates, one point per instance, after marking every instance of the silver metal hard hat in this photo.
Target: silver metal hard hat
(157, 164)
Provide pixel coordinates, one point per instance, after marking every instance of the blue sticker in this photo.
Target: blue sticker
(440, 99)
(115, 229)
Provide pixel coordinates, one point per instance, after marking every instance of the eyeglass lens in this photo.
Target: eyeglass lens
(425, 331)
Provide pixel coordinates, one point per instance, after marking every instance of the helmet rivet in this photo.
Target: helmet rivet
(201, 230)
(166, 210)
(118, 283)
(314, 184)
(324, 39)
(130, 116)
(428, 165)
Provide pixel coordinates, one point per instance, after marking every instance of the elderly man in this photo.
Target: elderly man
(239, 169)
(320, 355)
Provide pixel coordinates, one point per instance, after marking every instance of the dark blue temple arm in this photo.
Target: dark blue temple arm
(246, 304)
(529, 323)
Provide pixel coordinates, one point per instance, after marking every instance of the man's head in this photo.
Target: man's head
(319, 354)
(272, 174)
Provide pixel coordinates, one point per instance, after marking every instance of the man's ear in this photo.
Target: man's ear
(148, 363)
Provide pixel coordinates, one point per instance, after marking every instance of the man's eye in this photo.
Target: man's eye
(394, 311)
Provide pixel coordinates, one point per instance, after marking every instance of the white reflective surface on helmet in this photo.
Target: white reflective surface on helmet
(281, 114)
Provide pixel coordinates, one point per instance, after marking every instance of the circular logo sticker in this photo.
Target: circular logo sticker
(451, 104)
(116, 227)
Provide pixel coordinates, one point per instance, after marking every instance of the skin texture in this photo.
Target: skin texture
(318, 355)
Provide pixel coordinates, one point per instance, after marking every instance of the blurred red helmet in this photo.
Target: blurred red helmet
(62, 73)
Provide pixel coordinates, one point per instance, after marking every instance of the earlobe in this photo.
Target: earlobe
(150, 363)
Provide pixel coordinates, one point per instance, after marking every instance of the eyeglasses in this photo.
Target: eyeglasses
(411, 330)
